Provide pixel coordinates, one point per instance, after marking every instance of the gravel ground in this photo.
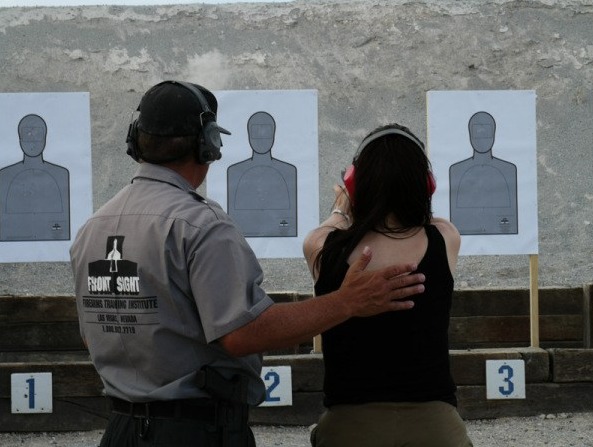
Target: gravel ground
(551, 430)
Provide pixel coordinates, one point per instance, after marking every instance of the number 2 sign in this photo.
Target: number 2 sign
(505, 379)
(278, 381)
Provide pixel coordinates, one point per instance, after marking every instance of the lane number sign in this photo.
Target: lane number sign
(505, 379)
(278, 381)
(31, 393)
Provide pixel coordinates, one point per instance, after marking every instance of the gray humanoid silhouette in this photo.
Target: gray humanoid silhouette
(262, 191)
(113, 256)
(483, 188)
(34, 194)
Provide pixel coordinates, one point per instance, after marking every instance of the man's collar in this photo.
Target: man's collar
(163, 174)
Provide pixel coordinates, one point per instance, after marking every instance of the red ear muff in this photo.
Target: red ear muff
(432, 183)
(349, 181)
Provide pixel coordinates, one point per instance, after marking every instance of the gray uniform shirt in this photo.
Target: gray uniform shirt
(161, 274)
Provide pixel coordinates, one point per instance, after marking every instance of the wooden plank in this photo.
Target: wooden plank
(524, 344)
(469, 303)
(40, 335)
(317, 345)
(44, 356)
(490, 329)
(572, 365)
(284, 297)
(560, 301)
(465, 303)
(588, 316)
(541, 398)
(75, 414)
(492, 302)
(305, 410)
(69, 379)
(78, 405)
(17, 309)
(307, 370)
(468, 367)
(533, 301)
(38, 310)
(302, 349)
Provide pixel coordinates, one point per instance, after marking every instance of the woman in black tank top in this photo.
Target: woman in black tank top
(387, 378)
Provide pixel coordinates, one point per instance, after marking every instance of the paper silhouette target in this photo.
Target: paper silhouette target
(34, 193)
(482, 147)
(45, 174)
(483, 188)
(262, 190)
(268, 177)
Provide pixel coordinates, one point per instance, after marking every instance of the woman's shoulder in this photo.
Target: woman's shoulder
(446, 228)
(444, 225)
(452, 239)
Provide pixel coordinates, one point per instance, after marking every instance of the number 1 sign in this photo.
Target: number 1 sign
(31, 393)
(505, 379)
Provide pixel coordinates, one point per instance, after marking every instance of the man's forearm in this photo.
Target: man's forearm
(287, 324)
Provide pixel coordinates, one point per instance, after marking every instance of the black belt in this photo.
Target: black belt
(199, 409)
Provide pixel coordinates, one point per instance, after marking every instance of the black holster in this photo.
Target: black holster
(232, 410)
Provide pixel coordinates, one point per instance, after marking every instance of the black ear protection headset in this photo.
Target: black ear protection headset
(209, 145)
(348, 175)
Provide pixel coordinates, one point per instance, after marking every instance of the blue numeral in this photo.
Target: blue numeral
(275, 382)
(509, 387)
(31, 383)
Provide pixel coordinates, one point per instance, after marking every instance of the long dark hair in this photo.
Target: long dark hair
(392, 177)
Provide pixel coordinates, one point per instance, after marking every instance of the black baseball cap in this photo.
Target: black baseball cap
(174, 108)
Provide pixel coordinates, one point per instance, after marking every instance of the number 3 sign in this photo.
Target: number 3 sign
(505, 379)
(278, 381)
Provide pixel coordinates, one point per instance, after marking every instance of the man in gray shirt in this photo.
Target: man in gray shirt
(169, 292)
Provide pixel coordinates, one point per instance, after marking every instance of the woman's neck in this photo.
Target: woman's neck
(392, 227)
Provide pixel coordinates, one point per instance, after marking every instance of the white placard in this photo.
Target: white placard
(268, 177)
(505, 379)
(482, 147)
(45, 174)
(31, 393)
(278, 381)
